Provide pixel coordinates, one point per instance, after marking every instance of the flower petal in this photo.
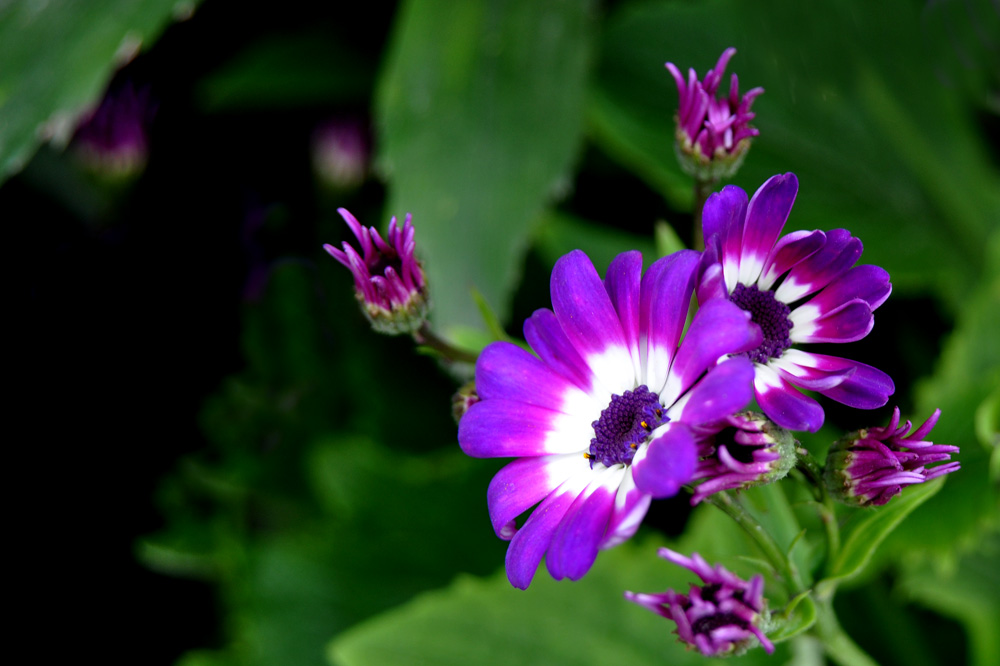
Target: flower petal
(667, 463)
(507, 371)
(723, 216)
(809, 371)
(784, 405)
(867, 282)
(525, 482)
(547, 338)
(724, 390)
(622, 284)
(718, 328)
(847, 323)
(588, 318)
(665, 296)
(631, 505)
(788, 252)
(838, 254)
(766, 216)
(529, 544)
(499, 428)
(575, 542)
(865, 388)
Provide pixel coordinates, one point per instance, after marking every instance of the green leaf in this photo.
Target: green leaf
(480, 112)
(57, 58)
(867, 528)
(488, 622)
(797, 617)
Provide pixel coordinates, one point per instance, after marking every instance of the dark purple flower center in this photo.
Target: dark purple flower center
(709, 623)
(624, 425)
(771, 315)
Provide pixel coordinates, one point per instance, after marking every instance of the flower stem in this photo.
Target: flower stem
(702, 188)
(824, 503)
(838, 645)
(427, 337)
(764, 541)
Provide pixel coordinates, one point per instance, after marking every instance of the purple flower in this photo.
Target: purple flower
(724, 616)
(870, 467)
(388, 280)
(608, 414)
(801, 288)
(113, 139)
(713, 135)
(751, 451)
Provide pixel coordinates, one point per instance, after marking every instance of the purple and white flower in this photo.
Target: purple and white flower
(870, 467)
(608, 414)
(712, 135)
(388, 280)
(802, 288)
(722, 617)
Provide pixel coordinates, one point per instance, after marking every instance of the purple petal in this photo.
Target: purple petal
(723, 215)
(547, 339)
(711, 281)
(507, 371)
(808, 371)
(838, 254)
(727, 388)
(665, 296)
(631, 505)
(847, 323)
(869, 283)
(667, 463)
(866, 388)
(588, 318)
(719, 328)
(501, 428)
(788, 252)
(622, 284)
(574, 544)
(524, 483)
(766, 216)
(529, 544)
(783, 404)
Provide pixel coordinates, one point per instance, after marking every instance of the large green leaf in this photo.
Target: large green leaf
(488, 622)
(480, 113)
(57, 57)
(852, 106)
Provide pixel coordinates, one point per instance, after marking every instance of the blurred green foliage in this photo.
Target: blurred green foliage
(332, 509)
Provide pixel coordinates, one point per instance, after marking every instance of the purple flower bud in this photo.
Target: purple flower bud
(113, 139)
(725, 616)
(870, 467)
(750, 452)
(340, 153)
(388, 280)
(713, 135)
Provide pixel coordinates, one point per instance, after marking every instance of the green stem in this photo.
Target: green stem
(702, 188)
(838, 645)
(764, 541)
(824, 502)
(427, 337)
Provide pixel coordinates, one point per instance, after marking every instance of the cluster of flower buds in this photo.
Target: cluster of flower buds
(713, 135)
(725, 616)
(388, 280)
(870, 467)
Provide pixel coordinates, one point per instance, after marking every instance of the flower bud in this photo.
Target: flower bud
(712, 135)
(388, 280)
(870, 467)
(725, 616)
(751, 451)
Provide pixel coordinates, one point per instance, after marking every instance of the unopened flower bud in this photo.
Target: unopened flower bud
(712, 135)
(870, 467)
(751, 451)
(112, 141)
(464, 398)
(388, 280)
(725, 616)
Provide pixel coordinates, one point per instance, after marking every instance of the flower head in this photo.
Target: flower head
(713, 135)
(722, 617)
(340, 153)
(870, 467)
(608, 414)
(113, 139)
(801, 288)
(388, 280)
(751, 451)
